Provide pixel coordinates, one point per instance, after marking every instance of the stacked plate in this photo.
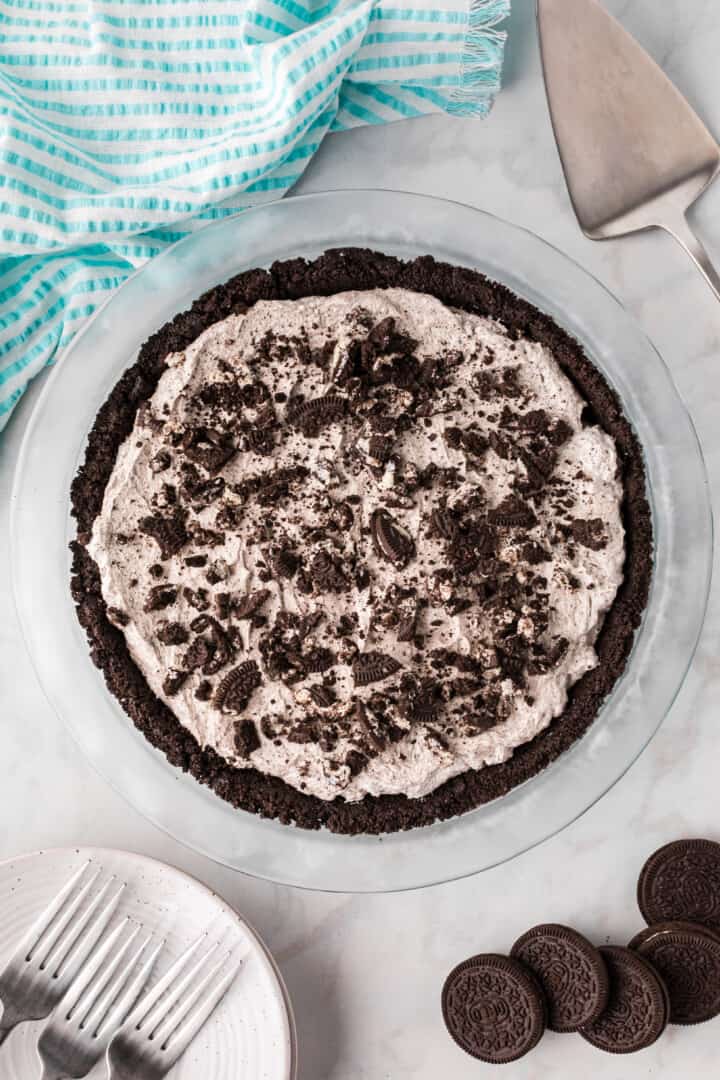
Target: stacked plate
(251, 1033)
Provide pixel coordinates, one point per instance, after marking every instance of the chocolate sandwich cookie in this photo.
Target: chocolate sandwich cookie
(682, 881)
(571, 972)
(638, 1005)
(687, 957)
(493, 1008)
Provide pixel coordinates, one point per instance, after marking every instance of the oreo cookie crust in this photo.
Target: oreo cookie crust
(493, 1008)
(245, 787)
(571, 972)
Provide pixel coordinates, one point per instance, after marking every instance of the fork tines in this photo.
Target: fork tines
(57, 946)
(97, 1003)
(104, 992)
(61, 947)
(172, 1013)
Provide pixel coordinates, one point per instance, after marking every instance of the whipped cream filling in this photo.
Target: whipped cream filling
(430, 530)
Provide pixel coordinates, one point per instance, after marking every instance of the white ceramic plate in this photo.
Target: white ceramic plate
(250, 1036)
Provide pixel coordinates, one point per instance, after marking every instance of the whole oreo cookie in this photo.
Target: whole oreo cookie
(687, 957)
(638, 1006)
(571, 972)
(493, 1008)
(682, 881)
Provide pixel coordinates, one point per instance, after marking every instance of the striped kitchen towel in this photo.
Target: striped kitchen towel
(125, 124)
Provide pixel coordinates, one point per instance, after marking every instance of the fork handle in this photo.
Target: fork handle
(680, 229)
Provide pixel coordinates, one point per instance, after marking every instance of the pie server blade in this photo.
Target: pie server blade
(634, 153)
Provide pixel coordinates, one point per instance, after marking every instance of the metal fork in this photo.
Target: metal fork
(166, 1020)
(79, 1031)
(54, 949)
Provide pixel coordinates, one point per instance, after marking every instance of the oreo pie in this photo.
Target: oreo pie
(361, 543)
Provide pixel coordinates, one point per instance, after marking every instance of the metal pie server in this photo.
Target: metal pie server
(634, 153)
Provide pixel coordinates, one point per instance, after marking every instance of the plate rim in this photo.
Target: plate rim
(215, 897)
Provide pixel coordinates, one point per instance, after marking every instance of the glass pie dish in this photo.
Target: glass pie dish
(403, 225)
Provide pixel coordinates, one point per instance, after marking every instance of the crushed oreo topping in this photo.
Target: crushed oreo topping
(209, 448)
(172, 633)
(244, 607)
(374, 666)
(174, 681)
(284, 562)
(591, 534)
(322, 696)
(247, 740)
(314, 415)
(204, 690)
(236, 688)
(120, 618)
(223, 647)
(513, 513)
(168, 531)
(199, 654)
(159, 597)
(390, 541)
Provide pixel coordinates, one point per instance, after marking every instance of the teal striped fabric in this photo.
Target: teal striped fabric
(126, 124)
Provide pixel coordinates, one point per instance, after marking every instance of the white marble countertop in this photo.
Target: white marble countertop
(365, 972)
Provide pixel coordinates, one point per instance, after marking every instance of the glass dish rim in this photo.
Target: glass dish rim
(479, 215)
